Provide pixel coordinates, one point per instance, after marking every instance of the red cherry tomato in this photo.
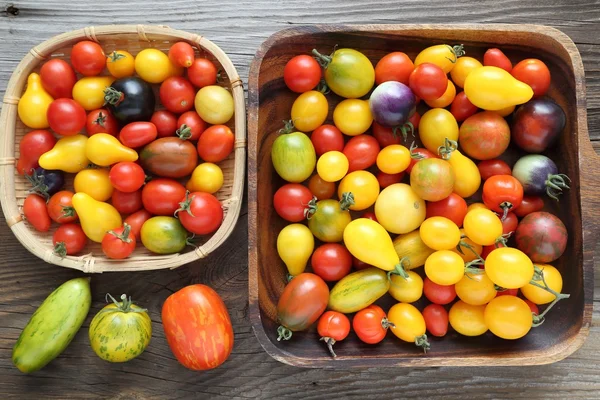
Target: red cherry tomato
(215, 143)
(436, 319)
(528, 205)
(502, 192)
(509, 224)
(418, 154)
(127, 176)
(291, 200)
(88, 58)
(438, 294)
(177, 94)
(534, 73)
(36, 213)
(202, 73)
(60, 207)
(127, 202)
(534, 308)
(415, 118)
(496, 58)
(361, 152)
(486, 250)
(118, 243)
(386, 180)
(369, 215)
(370, 324)
(331, 261)
(461, 107)
(333, 327)
(138, 134)
(302, 73)
(489, 168)
(136, 220)
(194, 125)
(200, 213)
(327, 138)
(66, 117)
(359, 265)
(58, 78)
(452, 207)
(182, 54)
(321, 189)
(385, 136)
(166, 122)
(31, 147)
(101, 121)
(507, 292)
(162, 196)
(396, 66)
(428, 81)
(69, 239)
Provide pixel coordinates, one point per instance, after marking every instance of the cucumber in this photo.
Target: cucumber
(358, 290)
(53, 325)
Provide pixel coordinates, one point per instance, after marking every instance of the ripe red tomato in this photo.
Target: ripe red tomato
(428, 81)
(197, 343)
(510, 223)
(58, 78)
(182, 54)
(486, 250)
(369, 215)
(118, 243)
(88, 58)
(370, 324)
(321, 189)
(66, 117)
(508, 292)
(327, 138)
(436, 319)
(461, 108)
(452, 207)
(484, 136)
(215, 143)
(60, 207)
(385, 136)
(194, 126)
(302, 73)
(415, 118)
(534, 73)
(36, 212)
(69, 239)
(396, 66)
(177, 94)
(386, 180)
(202, 73)
(528, 205)
(136, 220)
(418, 154)
(333, 327)
(331, 261)
(496, 58)
(291, 200)
(361, 152)
(438, 294)
(533, 307)
(31, 147)
(502, 192)
(165, 122)
(200, 213)
(489, 168)
(127, 202)
(101, 121)
(138, 134)
(162, 196)
(127, 176)
(359, 265)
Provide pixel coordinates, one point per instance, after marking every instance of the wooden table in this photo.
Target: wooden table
(239, 28)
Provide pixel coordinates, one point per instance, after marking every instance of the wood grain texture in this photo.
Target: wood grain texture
(239, 28)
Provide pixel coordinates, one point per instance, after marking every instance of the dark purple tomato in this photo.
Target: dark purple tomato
(392, 103)
(539, 174)
(537, 125)
(542, 236)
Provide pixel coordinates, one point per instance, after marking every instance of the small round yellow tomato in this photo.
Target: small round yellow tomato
(309, 111)
(206, 177)
(399, 209)
(332, 166)
(406, 290)
(482, 226)
(352, 116)
(442, 55)
(95, 183)
(439, 233)
(409, 324)
(505, 112)
(475, 289)
(468, 254)
(553, 280)
(463, 67)
(393, 159)
(214, 104)
(468, 320)
(153, 66)
(120, 64)
(295, 244)
(89, 91)
(508, 317)
(444, 267)
(437, 125)
(363, 185)
(446, 99)
(475, 206)
(509, 268)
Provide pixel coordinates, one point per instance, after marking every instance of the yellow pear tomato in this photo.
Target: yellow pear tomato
(492, 88)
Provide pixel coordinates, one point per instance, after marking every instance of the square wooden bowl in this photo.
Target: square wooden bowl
(270, 101)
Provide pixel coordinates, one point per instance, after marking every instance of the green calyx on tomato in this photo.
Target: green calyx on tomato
(457, 50)
(60, 249)
(124, 236)
(539, 276)
(184, 132)
(38, 184)
(345, 203)
(125, 306)
(447, 148)
(400, 269)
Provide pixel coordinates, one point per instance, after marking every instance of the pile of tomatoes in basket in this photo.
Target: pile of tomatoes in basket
(395, 190)
(130, 156)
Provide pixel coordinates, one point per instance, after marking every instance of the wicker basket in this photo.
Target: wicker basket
(14, 187)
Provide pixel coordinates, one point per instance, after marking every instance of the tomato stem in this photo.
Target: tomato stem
(447, 148)
(457, 51)
(311, 208)
(539, 319)
(68, 211)
(124, 236)
(555, 183)
(329, 342)
(421, 341)
(502, 239)
(346, 201)
(125, 306)
(322, 59)
(288, 127)
(387, 324)
(466, 245)
(38, 184)
(100, 120)
(400, 269)
(112, 96)
(323, 87)
(289, 277)
(506, 206)
(60, 249)
(283, 333)
(413, 155)
(185, 205)
(184, 132)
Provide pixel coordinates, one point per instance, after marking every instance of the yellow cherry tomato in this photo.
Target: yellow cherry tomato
(482, 226)
(435, 127)
(505, 112)
(509, 268)
(393, 159)
(471, 252)
(153, 66)
(406, 290)
(442, 55)
(439, 233)
(408, 324)
(467, 178)
(446, 99)
(508, 317)
(104, 150)
(120, 64)
(553, 280)
(295, 245)
(476, 206)
(363, 185)
(214, 104)
(96, 217)
(463, 67)
(352, 116)
(444, 267)
(206, 177)
(368, 241)
(475, 289)
(332, 166)
(411, 248)
(89, 91)
(68, 154)
(309, 111)
(468, 320)
(492, 88)
(399, 209)
(348, 73)
(94, 182)
(33, 105)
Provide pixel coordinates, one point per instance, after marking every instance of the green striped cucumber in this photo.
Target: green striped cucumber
(53, 325)
(358, 290)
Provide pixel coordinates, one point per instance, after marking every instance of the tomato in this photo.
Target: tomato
(509, 223)
(154, 66)
(352, 116)
(505, 112)
(127, 176)
(96, 217)
(384, 135)
(202, 73)
(361, 152)
(408, 324)
(31, 147)
(534, 308)
(492, 88)
(386, 180)
(197, 343)
(118, 243)
(200, 213)
(333, 327)
(214, 104)
(130, 99)
(182, 54)
(432, 179)
(45, 182)
(332, 166)
(369, 242)
(406, 290)
(417, 154)
(163, 235)
(395, 66)
(393, 159)
(445, 99)
(399, 199)
(58, 78)
(482, 226)
(127, 202)
(358, 290)
(95, 183)
(327, 138)
(489, 168)
(206, 177)
(452, 207)
(438, 294)
(331, 261)
(291, 200)
(162, 196)
(68, 240)
(191, 126)
(469, 250)
(60, 207)
(461, 108)
(534, 73)
(502, 193)
(136, 220)
(216, 143)
(101, 121)
(88, 58)
(89, 91)
(359, 265)
(66, 117)
(468, 320)
(138, 134)
(293, 156)
(32, 107)
(295, 244)
(442, 55)
(439, 233)
(436, 319)
(348, 72)
(302, 73)
(508, 317)
(496, 58)
(120, 64)
(484, 136)
(170, 157)
(462, 68)
(467, 179)
(428, 82)
(328, 218)
(36, 213)
(507, 292)
(444, 267)
(370, 324)
(166, 122)
(435, 127)
(509, 268)
(552, 278)
(542, 236)
(538, 124)
(475, 289)
(177, 94)
(321, 189)
(476, 205)
(529, 205)
(363, 185)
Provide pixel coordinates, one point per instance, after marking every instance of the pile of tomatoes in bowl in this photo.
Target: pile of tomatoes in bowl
(142, 142)
(376, 190)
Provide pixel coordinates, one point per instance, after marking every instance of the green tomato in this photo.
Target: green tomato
(348, 73)
(163, 235)
(293, 156)
(328, 218)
